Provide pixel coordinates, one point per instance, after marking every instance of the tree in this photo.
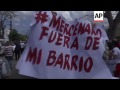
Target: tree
(6, 19)
(13, 35)
(22, 37)
(113, 23)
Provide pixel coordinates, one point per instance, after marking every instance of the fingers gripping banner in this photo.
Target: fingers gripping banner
(60, 49)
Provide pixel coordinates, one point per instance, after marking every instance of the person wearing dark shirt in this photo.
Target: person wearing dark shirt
(17, 50)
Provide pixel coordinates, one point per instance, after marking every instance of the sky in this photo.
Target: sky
(25, 18)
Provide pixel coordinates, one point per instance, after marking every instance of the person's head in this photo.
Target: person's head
(115, 43)
(10, 43)
(110, 45)
(7, 43)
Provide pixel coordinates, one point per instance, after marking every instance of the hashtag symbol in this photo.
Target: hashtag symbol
(41, 17)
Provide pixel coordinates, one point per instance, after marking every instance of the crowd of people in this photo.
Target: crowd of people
(112, 56)
(12, 51)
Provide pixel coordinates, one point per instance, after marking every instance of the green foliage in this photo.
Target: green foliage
(14, 35)
(22, 37)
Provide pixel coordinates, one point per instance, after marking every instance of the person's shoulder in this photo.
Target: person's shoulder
(116, 48)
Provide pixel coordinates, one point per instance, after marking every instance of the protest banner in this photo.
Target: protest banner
(60, 49)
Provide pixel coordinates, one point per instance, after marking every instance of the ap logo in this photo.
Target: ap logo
(98, 16)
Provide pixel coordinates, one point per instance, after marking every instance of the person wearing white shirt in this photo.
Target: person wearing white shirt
(22, 46)
(13, 47)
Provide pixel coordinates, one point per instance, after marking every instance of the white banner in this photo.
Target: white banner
(58, 49)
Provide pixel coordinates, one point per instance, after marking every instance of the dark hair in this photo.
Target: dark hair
(110, 45)
(115, 43)
(7, 43)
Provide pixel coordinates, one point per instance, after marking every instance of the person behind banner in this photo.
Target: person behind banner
(17, 50)
(110, 46)
(117, 59)
(109, 57)
(118, 39)
(22, 46)
(108, 53)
